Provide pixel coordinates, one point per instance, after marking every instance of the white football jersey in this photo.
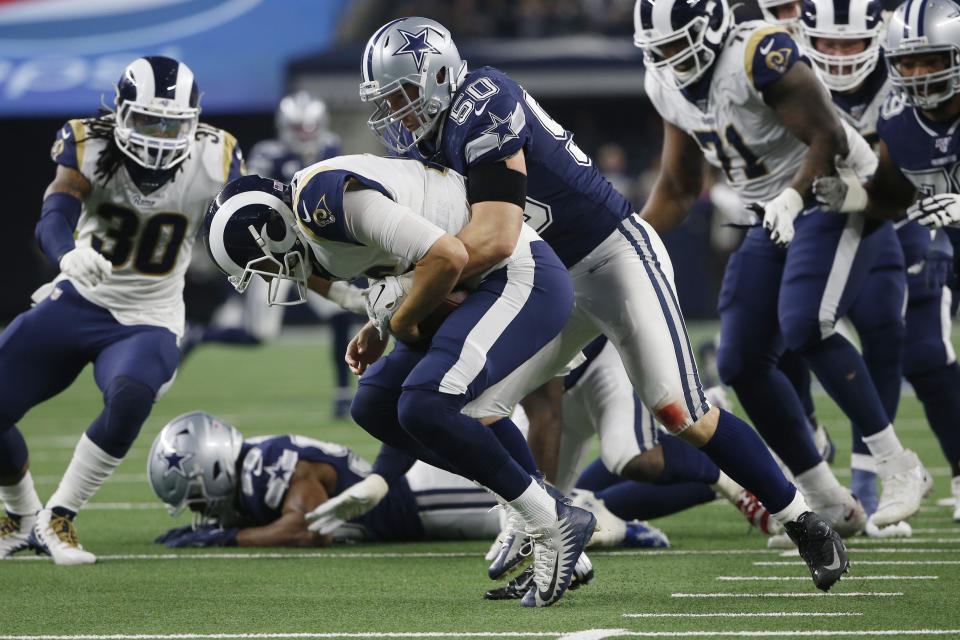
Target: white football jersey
(439, 196)
(148, 238)
(737, 131)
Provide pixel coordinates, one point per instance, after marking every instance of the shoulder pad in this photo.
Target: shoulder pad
(68, 147)
(769, 52)
(219, 153)
(318, 201)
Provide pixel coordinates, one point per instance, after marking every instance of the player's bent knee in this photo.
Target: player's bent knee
(645, 467)
(423, 413)
(373, 408)
(801, 332)
(127, 403)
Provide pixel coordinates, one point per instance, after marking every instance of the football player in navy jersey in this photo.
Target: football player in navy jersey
(120, 218)
(919, 148)
(520, 161)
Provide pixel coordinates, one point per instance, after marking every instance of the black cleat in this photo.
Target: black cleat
(516, 588)
(820, 547)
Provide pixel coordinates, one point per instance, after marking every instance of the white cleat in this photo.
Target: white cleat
(780, 541)
(515, 548)
(56, 536)
(842, 511)
(955, 492)
(14, 534)
(901, 529)
(904, 483)
(611, 530)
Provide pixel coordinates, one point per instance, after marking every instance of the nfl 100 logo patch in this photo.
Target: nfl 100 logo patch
(942, 144)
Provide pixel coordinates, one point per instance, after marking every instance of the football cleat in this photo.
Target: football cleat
(756, 514)
(780, 541)
(557, 548)
(610, 529)
(516, 588)
(56, 536)
(821, 439)
(904, 483)
(820, 547)
(901, 529)
(15, 534)
(643, 534)
(842, 511)
(955, 492)
(516, 547)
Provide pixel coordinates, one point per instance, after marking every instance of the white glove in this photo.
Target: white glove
(779, 214)
(383, 297)
(352, 503)
(941, 210)
(347, 297)
(841, 193)
(86, 266)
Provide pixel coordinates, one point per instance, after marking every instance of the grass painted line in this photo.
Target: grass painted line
(906, 541)
(946, 502)
(774, 614)
(849, 594)
(858, 550)
(937, 530)
(804, 578)
(785, 563)
(592, 634)
(117, 478)
(268, 556)
(123, 506)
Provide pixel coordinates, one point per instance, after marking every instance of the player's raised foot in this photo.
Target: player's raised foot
(756, 514)
(610, 529)
(516, 588)
(820, 547)
(955, 492)
(823, 443)
(842, 511)
(643, 534)
(557, 547)
(14, 534)
(56, 536)
(904, 482)
(516, 547)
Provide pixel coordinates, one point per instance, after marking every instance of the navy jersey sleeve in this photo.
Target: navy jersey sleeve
(66, 149)
(769, 55)
(265, 477)
(319, 202)
(489, 118)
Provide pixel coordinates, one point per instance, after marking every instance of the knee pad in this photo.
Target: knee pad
(127, 403)
(800, 331)
(375, 410)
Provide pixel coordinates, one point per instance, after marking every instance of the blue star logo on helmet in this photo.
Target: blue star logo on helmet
(501, 128)
(416, 45)
(175, 462)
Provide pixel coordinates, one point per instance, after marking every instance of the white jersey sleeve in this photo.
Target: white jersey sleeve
(375, 220)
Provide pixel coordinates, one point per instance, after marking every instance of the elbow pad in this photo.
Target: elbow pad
(496, 182)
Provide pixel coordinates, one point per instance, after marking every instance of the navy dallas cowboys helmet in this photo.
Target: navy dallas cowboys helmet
(407, 53)
(193, 463)
(157, 112)
(680, 38)
(250, 230)
(842, 20)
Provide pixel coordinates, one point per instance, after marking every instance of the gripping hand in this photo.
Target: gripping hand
(841, 193)
(941, 210)
(208, 535)
(779, 214)
(383, 297)
(352, 503)
(86, 266)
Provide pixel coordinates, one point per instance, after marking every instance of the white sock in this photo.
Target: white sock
(536, 506)
(21, 498)
(793, 510)
(88, 470)
(863, 462)
(727, 488)
(884, 444)
(818, 480)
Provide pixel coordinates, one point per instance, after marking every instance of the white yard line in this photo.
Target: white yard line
(777, 614)
(906, 541)
(587, 634)
(785, 563)
(858, 550)
(121, 478)
(804, 578)
(849, 594)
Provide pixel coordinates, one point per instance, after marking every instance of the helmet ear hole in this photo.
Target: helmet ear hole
(217, 470)
(441, 75)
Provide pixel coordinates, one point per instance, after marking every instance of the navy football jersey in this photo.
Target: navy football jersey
(268, 463)
(491, 118)
(272, 159)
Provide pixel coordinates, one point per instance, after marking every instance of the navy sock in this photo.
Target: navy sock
(741, 454)
(939, 391)
(843, 373)
(13, 452)
(772, 404)
(596, 477)
(64, 512)
(630, 500)
(883, 355)
(513, 441)
(434, 417)
(391, 463)
(375, 410)
(795, 368)
(683, 462)
(340, 324)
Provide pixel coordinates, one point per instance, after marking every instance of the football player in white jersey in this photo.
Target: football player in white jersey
(918, 148)
(743, 97)
(356, 216)
(120, 218)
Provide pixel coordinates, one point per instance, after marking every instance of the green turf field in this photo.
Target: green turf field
(896, 588)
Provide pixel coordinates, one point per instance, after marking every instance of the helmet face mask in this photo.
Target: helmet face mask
(193, 465)
(769, 9)
(157, 112)
(847, 22)
(250, 230)
(680, 44)
(402, 55)
(301, 121)
(925, 32)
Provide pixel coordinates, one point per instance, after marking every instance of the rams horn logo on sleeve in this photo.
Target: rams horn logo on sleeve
(778, 60)
(322, 215)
